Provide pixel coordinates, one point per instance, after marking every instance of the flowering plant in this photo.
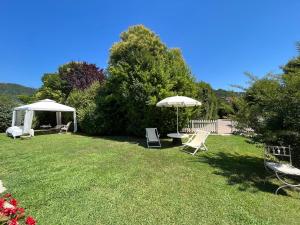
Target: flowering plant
(11, 213)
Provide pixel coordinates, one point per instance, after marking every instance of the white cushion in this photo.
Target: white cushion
(283, 168)
(15, 131)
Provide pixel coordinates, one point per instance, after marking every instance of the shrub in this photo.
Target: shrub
(6, 107)
(209, 108)
(271, 106)
(85, 103)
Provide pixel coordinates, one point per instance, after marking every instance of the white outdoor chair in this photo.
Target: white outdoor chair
(278, 160)
(197, 141)
(65, 128)
(152, 137)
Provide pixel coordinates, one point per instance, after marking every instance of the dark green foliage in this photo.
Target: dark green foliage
(209, 108)
(225, 109)
(142, 71)
(272, 108)
(6, 107)
(85, 103)
(51, 88)
(226, 102)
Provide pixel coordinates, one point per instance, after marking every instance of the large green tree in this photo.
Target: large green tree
(70, 76)
(141, 71)
(271, 106)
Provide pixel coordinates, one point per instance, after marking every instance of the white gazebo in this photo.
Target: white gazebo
(42, 105)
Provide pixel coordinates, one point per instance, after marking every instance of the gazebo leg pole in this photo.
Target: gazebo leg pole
(177, 121)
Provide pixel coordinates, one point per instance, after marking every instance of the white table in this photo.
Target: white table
(45, 126)
(177, 137)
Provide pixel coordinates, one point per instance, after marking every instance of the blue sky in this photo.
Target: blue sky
(220, 40)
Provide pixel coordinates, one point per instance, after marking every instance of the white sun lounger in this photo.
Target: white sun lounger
(196, 141)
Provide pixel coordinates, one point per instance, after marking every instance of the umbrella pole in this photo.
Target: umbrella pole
(177, 121)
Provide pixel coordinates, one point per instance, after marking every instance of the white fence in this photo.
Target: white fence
(220, 126)
(207, 125)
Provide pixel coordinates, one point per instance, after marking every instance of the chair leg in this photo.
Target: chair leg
(286, 184)
(195, 151)
(281, 187)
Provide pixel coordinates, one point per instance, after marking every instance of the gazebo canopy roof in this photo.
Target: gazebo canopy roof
(46, 105)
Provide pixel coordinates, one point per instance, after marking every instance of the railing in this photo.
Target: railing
(220, 126)
(206, 125)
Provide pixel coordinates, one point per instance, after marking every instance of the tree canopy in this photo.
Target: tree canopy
(70, 76)
(271, 106)
(142, 70)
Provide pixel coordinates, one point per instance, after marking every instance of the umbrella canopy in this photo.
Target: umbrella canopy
(178, 101)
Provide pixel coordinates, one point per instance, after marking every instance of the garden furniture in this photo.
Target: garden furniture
(45, 126)
(196, 141)
(178, 101)
(152, 137)
(65, 128)
(177, 137)
(278, 160)
(23, 116)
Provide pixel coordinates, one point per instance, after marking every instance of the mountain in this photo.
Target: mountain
(15, 89)
(224, 94)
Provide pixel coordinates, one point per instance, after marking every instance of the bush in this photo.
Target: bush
(271, 106)
(6, 107)
(209, 108)
(85, 103)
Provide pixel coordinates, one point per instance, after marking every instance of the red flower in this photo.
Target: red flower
(21, 210)
(13, 222)
(9, 211)
(30, 221)
(7, 195)
(13, 202)
(2, 200)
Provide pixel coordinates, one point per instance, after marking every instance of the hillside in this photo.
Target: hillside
(224, 94)
(15, 89)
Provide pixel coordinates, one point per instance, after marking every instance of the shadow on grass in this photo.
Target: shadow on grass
(247, 172)
(165, 143)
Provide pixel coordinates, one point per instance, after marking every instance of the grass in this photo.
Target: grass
(75, 179)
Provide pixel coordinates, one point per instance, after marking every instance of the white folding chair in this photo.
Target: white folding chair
(197, 141)
(278, 160)
(65, 128)
(152, 137)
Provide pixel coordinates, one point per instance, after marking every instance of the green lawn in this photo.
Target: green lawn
(74, 179)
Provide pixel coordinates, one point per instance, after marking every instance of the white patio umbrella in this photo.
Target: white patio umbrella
(178, 101)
